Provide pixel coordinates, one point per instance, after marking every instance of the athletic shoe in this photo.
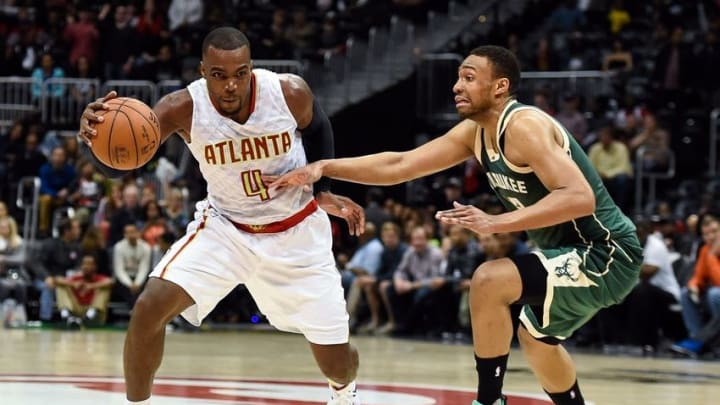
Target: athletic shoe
(501, 401)
(688, 347)
(346, 396)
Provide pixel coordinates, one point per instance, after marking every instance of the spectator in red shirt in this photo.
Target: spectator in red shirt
(85, 295)
(83, 37)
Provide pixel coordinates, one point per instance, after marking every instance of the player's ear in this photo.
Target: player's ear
(201, 69)
(502, 86)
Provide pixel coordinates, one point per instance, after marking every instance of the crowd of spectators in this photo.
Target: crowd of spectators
(407, 275)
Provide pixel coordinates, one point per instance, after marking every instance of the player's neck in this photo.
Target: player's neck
(489, 118)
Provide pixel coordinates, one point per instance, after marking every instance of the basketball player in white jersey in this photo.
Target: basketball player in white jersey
(238, 123)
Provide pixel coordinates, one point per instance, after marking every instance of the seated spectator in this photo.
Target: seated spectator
(56, 177)
(84, 92)
(42, 73)
(618, 59)
(463, 257)
(29, 160)
(369, 284)
(301, 33)
(93, 244)
(58, 257)
(570, 116)
(412, 295)
(129, 212)
(611, 159)
(374, 211)
(649, 305)
(701, 298)
(175, 212)
(154, 223)
(86, 191)
(13, 280)
(656, 142)
(131, 264)
(84, 296)
(364, 262)
(109, 204)
(164, 243)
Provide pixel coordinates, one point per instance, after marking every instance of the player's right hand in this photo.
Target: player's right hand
(88, 119)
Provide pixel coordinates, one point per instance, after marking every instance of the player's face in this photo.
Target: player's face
(228, 75)
(475, 87)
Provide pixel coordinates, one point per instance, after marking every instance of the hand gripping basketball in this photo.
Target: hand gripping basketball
(126, 131)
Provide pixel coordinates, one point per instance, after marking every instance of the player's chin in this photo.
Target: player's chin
(230, 109)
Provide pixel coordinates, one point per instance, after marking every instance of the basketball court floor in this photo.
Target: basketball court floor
(41, 367)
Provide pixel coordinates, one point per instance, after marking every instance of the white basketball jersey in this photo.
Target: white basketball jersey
(233, 156)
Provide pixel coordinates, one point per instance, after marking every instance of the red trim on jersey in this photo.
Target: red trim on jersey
(187, 242)
(253, 92)
(280, 226)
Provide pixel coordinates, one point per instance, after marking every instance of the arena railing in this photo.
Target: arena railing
(280, 66)
(64, 110)
(16, 100)
(143, 90)
(652, 177)
(438, 72)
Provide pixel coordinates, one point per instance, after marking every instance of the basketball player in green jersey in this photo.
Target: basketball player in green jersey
(588, 257)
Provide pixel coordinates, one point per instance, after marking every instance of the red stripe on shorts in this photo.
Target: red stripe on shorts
(187, 242)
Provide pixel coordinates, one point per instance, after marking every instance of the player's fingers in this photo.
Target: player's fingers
(269, 179)
(361, 222)
(112, 94)
(352, 226)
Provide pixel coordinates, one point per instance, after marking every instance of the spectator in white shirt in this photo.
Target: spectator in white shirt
(131, 263)
(653, 305)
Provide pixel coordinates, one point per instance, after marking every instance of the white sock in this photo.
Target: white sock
(64, 313)
(347, 387)
(144, 402)
(90, 314)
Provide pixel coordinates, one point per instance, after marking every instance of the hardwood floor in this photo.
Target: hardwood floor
(236, 368)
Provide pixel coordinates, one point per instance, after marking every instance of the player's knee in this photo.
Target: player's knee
(152, 310)
(495, 281)
(484, 280)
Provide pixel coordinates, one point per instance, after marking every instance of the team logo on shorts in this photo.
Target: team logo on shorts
(85, 390)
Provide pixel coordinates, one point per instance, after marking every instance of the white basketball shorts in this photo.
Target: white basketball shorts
(290, 274)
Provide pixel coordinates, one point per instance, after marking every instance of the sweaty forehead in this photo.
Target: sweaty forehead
(226, 58)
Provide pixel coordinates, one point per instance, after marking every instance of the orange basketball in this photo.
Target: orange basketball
(129, 136)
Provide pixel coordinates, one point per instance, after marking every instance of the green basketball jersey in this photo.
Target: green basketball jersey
(519, 187)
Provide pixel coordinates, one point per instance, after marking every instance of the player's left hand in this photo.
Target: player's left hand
(343, 207)
(301, 176)
(469, 217)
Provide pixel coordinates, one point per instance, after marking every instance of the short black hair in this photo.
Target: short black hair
(225, 38)
(504, 63)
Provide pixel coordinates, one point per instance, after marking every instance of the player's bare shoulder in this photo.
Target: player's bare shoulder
(298, 97)
(528, 132)
(174, 111)
(528, 124)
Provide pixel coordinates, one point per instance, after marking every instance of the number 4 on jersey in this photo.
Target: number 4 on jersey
(253, 184)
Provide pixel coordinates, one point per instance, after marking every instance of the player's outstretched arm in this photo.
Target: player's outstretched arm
(531, 140)
(388, 168)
